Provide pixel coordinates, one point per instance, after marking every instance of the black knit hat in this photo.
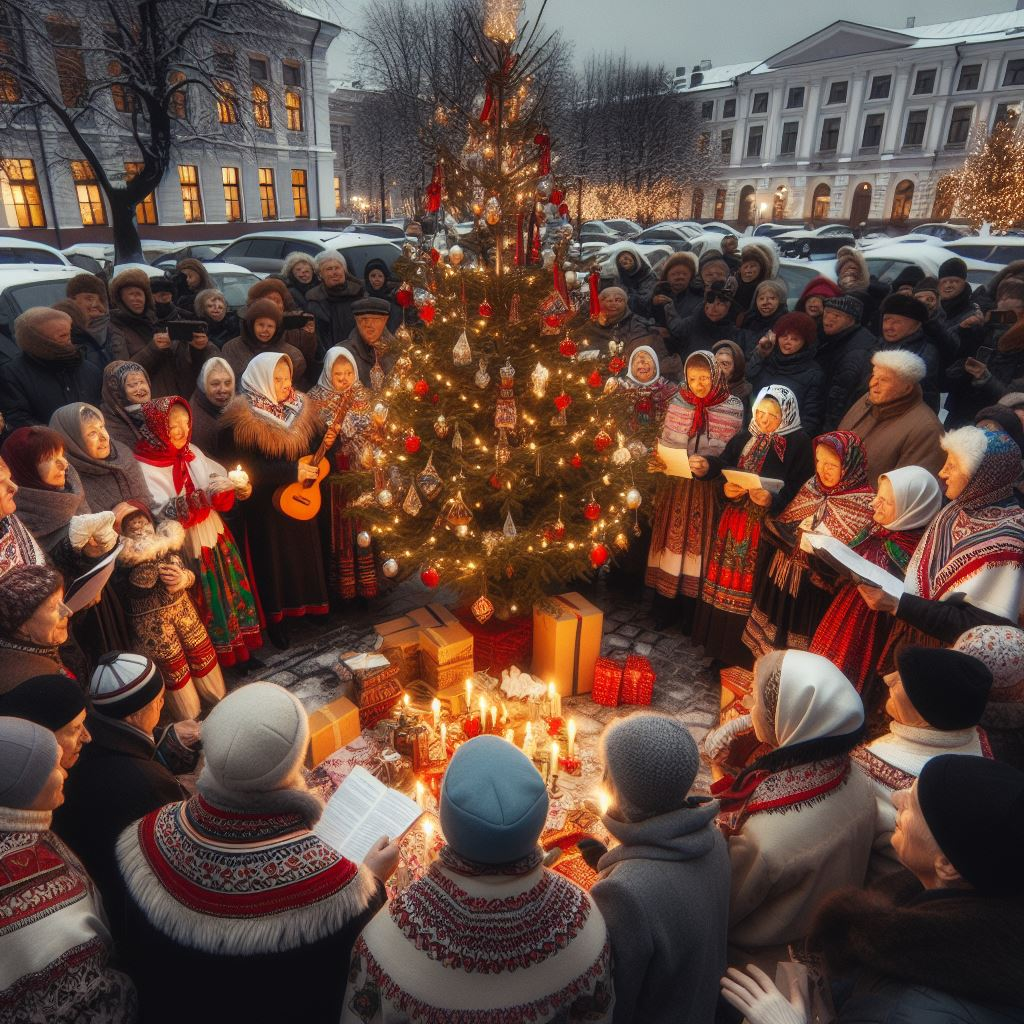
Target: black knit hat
(910, 274)
(848, 304)
(927, 284)
(949, 689)
(166, 283)
(49, 701)
(974, 807)
(905, 305)
(371, 307)
(953, 267)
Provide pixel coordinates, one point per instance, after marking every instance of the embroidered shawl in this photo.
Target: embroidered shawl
(17, 545)
(713, 419)
(154, 447)
(258, 389)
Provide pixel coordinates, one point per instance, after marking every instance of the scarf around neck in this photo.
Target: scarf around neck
(718, 394)
(154, 446)
(756, 449)
(258, 389)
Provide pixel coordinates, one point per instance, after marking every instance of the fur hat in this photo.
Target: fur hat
(898, 304)
(679, 259)
(949, 689)
(909, 275)
(800, 324)
(848, 305)
(293, 259)
(953, 267)
(50, 701)
(759, 254)
(261, 308)
(926, 284)
(87, 284)
(271, 286)
(123, 683)
(775, 285)
(651, 761)
(846, 255)
(969, 444)
(493, 802)
(1013, 400)
(725, 289)
(903, 363)
(130, 278)
(28, 753)
(23, 590)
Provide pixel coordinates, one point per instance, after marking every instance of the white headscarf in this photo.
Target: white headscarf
(258, 388)
(916, 496)
(332, 356)
(788, 406)
(654, 359)
(803, 696)
(216, 363)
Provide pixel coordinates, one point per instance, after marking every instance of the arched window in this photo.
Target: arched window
(902, 200)
(779, 203)
(945, 198)
(861, 205)
(821, 201)
(293, 108)
(261, 106)
(745, 208)
(697, 204)
(227, 101)
(720, 204)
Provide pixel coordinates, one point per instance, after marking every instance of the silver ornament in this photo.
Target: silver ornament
(390, 568)
(633, 498)
(363, 539)
(384, 498)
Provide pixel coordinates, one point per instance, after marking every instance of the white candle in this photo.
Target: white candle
(529, 743)
(553, 762)
(435, 707)
(572, 737)
(604, 800)
(483, 712)
(428, 841)
(444, 741)
(494, 717)
(419, 792)
(469, 696)
(238, 477)
(556, 701)
(510, 735)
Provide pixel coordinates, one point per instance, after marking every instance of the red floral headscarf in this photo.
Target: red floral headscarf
(716, 396)
(154, 446)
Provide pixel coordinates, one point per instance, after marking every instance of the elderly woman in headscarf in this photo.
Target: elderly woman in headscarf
(126, 387)
(733, 362)
(702, 418)
(268, 429)
(800, 821)
(851, 635)
(968, 569)
(214, 389)
(331, 300)
(260, 332)
(107, 469)
(649, 390)
(211, 307)
(193, 490)
(344, 408)
(788, 600)
(774, 447)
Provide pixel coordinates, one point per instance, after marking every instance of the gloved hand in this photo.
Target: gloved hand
(97, 527)
(757, 998)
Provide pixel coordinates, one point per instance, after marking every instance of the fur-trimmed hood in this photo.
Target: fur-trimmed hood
(271, 439)
(169, 536)
(762, 253)
(848, 254)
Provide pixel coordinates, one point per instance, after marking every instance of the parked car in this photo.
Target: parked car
(885, 262)
(770, 230)
(815, 243)
(1001, 249)
(598, 231)
(234, 281)
(676, 236)
(714, 227)
(392, 231)
(626, 229)
(95, 257)
(264, 251)
(25, 286)
(21, 251)
(655, 254)
(202, 251)
(798, 274)
(943, 232)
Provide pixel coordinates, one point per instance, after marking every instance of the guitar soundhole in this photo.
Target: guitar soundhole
(301, 500)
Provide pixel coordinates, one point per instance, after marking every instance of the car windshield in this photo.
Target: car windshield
(37, 293)
(21, 255)
(235, 287)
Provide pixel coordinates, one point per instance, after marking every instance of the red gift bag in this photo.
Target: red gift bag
(607, 682)
(637, 681)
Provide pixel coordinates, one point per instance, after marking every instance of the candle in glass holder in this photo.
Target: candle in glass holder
(238, 477)
(556, 701)
(435, 707)
(553, 759)
(419, 793)
(572, 738)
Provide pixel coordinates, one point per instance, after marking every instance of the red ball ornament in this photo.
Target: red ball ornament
(420, 388)
(562, 402)
(430, 577)
(404, 296)
(557, 196)
(576, 461)
(435, 256)
(602, 440)
(427, 313)
(568, 348)
(495, 482)
(616, 364)
(435, 398)
(563, 209)
(558, 531)
(598, 555)
(412, 444)
(553, 321)
(486, 309)
(592, 510)
(595, 380)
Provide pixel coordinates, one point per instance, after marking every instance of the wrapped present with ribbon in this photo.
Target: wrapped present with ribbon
(607, 682)
(566, 642)
(330, 728)
(637, 680)
(499, 643)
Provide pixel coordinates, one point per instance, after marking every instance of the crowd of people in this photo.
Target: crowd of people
(855, 859)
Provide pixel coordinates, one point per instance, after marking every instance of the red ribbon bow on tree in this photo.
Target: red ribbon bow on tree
(434, 189)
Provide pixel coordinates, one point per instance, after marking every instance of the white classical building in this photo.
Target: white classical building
(855, 122)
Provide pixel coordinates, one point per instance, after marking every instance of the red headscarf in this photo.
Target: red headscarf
(716, 396)
(25, 449)
(154, 446)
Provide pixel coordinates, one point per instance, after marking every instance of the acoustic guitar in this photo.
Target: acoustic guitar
(301, 500)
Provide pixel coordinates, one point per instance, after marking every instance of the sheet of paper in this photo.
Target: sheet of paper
(677, 462)
(751, 481)
(860, 569)
(87, 587)
(360, 662)
(361, 811)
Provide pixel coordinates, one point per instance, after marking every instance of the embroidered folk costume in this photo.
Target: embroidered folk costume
(788, 604)
(193, 490)
(728, 586)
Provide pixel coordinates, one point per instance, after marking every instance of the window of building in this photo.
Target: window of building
(337, 194)
(795, 98)
(232, 193)
(707, 110)
(703, 143)
(970, 77)
(145, 211)
(872, 137)
(258, 69)
(726, 144)
(24, 192)
(261, 106)
(790, 130)
(903, 199)
(268, 198)
(837, 92)
(697, 204)
(300, 193)
(122, 95)
(191, 198)
(291, 72)
(227, 101)
(959, 126)
(755, 135)
(820, 202)
(924, 82)
(830, 135)
(759, 104)
(293, 108)
(66, 39)
(1014, 73)
(729, 108)
(177, 101)
(913, 134)
(719, 204)
(224, 61)
(1006, 112)
(10, 87)
(87, 190)
(880, 86)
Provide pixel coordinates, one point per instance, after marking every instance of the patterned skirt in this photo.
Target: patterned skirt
(684, 514)
(351, 570)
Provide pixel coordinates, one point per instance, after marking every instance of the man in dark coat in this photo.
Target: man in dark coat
(89, 294)
(942, 941)
(331, 300)
(789, 361)
(370, 341)
(677, 284)
(618, 323)
(377, 284)
(117, 778)
(844, 353)
(50, 370)
(960, 312)
(715, 321)
(903, 320)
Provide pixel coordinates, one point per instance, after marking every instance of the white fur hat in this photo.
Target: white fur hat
(905, 364)
(969, 444)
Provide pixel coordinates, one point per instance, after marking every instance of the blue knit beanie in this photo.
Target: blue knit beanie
(493, 802)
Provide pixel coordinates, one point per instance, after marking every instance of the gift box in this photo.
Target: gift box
(331, 728)
(405, 629)
(637, 680)
(405, 661)
(567, 642)
(498, 644)
(377, 695)
(443, 677)
(607, 682)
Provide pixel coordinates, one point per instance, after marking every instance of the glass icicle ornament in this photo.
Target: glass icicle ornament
(462, 354)
(509, 529)
(429, 481)
(457, 439)
(502, 450)
(412, 504)
(539, 380)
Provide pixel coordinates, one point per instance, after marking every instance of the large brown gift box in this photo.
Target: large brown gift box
(330, 728)
(566, 642)
(404, 630)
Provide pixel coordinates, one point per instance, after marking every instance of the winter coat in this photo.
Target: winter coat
(240, 352)
(846, 359)
(205, 421)
(904, 432)
(953, 313)
(800, 373)
(968, 396)
(697, 332)
(632, 331)
(42, 378)
(366, 357)
(922, 346)
(335, 320)
(756, 326)
(220, 332)
(387, 293)
(916, 956)
(636, 284)
(173, 370)
(664, 895)
(686, 302)
(295, 286)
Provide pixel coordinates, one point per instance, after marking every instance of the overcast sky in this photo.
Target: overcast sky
(683, 32)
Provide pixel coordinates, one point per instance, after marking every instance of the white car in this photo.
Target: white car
(1001, 249)
(234, 281)
(798, 274)
(264, 251)
(21, 288)
(885, 262)
(654, 255)
(21, 251)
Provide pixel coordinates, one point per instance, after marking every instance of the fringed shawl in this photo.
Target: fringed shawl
(271, 438)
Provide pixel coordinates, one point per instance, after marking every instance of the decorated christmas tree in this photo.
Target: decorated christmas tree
(991, 184)
(502, 466)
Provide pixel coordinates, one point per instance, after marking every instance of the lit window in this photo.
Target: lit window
(22, 192)
(293, 108)
(87, 189)
(268, 200)
(145, 211)
(300, 194)
(124, 98)
(177, 101)
(227, 101)
(261, 106)
(232, 193)
(191, 199)
(337, 195)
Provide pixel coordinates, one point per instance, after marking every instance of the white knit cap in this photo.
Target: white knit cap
(255, 738)
(906, 364)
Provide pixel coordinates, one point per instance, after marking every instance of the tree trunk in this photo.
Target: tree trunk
(127, 244)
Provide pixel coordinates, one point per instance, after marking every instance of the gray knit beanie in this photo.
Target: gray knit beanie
(254, 739)
(651, 762)
(28, 753)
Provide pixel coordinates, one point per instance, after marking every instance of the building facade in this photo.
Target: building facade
(265, 155)
(856, 123)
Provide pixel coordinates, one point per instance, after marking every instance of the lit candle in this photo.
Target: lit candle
(553, 762)
(529, 743)
(469, 696)
(405, 700)
(605, 801)
(494, 717)
(572, 737)
(428, 841)
(444, 741)
(419, 792)
(510, 735)
(238, 477)
(556, 701)
(435, 706)
(483, 712)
